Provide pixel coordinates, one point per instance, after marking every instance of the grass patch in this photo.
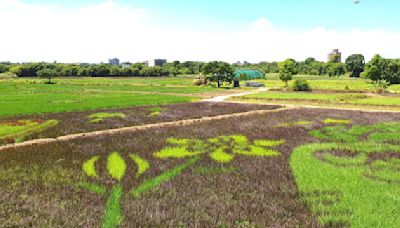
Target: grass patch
(101, 116)
(22, 97)
(336, 121)
(355, 99)
(348, 187)
(324, 83)
(17, 131)
(156, 111)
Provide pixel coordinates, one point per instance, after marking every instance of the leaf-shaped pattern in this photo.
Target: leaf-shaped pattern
(89, 166)
(141, 163)
(116, 166)
(220, 156)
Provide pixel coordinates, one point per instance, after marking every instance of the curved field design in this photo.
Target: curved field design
(353, 179)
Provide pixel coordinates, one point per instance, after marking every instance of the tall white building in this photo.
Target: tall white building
(114, 61)
(156, 62)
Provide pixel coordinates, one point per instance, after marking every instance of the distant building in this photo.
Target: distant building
(335, 56)
(126, 65)
(156, 62)
(113, 61)
(242, 64)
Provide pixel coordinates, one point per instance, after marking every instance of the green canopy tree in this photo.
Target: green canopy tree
(375, 68)
(48, 73)
(219, 72)
(287, 69)
(335, 69)
(355, 65)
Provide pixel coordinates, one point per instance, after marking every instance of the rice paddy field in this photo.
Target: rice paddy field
(32, 96)
(360, 100)
(286, 168)
(328, 84)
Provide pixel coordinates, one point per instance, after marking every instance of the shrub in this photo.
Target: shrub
(301, 85)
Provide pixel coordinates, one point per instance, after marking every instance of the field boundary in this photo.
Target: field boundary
(305, 106)
(138, 128)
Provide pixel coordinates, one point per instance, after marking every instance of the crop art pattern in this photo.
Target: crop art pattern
(220, 149)
(352, 175)
(17, 131)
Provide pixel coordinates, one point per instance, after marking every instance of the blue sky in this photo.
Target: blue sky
(335, 14)
(230, 30)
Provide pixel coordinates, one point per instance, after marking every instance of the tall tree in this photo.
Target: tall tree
(355, 65)
(218, 72)
(287, 69)
(375, 68)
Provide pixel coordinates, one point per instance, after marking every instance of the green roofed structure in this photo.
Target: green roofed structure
(248, 74)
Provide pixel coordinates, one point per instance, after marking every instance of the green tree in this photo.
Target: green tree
(335, 69)
(374, 70)
(287, 69)
(4, 68)
(48, 73)
(219, 72)
(355, 65)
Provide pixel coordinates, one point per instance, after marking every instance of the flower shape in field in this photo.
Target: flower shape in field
(116, 168)
(221, 149)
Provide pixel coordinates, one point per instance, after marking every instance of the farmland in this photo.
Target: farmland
(30, 96)
(359, 100)
(327, 84)
(228, 172)
(148, 152)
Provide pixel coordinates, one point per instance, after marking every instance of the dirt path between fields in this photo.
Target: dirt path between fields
(138, 128)
(226, 97)
(223, 98)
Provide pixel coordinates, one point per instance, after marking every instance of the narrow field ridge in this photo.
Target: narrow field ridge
(137, 128)
(301, 106)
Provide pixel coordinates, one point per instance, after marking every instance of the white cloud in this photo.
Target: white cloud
(261, 23)
(96, 32)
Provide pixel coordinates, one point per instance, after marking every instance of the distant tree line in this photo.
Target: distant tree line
(383, 70)
(308, 67)
(378, 69)
(103, 70)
